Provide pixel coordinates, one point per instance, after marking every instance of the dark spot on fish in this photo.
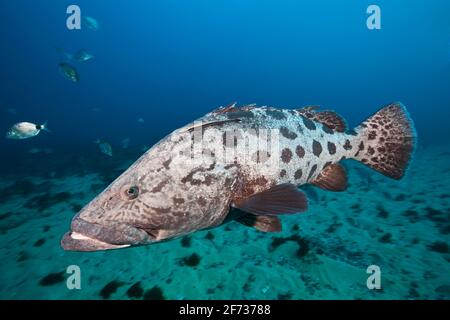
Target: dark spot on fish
(317, 148)
(159, 186)
(331, 148)
(154, 293)
(308, 123)
(276, 114)
(300, 128)
(327, 129)
(300, 151)
(361, 146)
(298, 174)
(370, 150)
(208, 178)
(52, 278)
(347, 145)
(166, 163)
(202, 201)
(372, 135)
(229, 166)
(313, 169)
(286, 155)
(178, 200)
(288, 133)
(283, 173)
(110, 289)
(135, 291)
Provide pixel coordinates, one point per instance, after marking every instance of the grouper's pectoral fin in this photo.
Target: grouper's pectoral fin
(281, 199)
(332, 178)
(261, 223)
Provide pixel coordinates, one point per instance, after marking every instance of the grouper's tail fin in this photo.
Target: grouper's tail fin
(386, 141)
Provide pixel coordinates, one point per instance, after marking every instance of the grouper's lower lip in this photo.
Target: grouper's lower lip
(73, 241)
(91, 236)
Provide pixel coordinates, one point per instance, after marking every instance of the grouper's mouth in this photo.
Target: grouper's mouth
(89, 236)
(74, 241)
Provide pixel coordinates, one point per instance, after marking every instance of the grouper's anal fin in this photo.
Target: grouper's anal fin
(261, 223)
(332, 178)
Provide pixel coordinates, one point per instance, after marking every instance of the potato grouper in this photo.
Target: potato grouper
(240, 164)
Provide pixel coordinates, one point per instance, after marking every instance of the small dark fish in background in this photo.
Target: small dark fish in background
(69, 72)
(176, 188)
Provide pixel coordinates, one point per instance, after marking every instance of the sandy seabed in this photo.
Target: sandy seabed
(401, 226)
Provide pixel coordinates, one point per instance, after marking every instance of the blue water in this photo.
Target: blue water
(170, 62)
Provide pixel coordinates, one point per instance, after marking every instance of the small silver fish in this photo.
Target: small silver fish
(125, 143)
(91, 23)
(82, 56)
(25, 130)
(69, 72)
(39, 150)
(105, 147)
(12, 111)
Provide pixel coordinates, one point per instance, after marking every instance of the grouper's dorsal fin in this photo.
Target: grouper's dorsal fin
(332, 178)
(281, 199)
(234, 108)
(327, 117)
(230, 108)
(204, 125)
(261, 223)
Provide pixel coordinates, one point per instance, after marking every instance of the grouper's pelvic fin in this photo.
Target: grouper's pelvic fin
(385, 142)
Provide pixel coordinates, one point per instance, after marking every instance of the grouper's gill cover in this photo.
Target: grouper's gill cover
(250, 159)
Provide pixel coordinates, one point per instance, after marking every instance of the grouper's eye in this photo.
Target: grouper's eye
(131, 192)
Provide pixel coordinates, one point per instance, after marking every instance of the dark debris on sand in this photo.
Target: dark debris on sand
(154, 293)
(303, 244)
(192, 261)
(186, 241)
(439, 246)
(52, 278)
(135, 291)
(110, 289)
(47, 200)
